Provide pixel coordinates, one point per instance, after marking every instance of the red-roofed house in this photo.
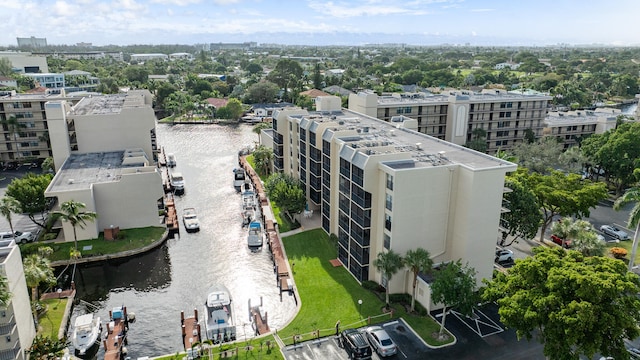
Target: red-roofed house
(217, 102)
(314, 93)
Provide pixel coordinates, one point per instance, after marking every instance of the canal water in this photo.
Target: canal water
(158, 285)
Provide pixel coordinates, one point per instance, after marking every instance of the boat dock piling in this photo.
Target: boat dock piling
(259, 318)
(116, 338)
(190, 330)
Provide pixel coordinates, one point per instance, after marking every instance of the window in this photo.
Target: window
(389, 181)
(504, 124)
(389, 201)
(502, 133)
(387, 241)
(387, 222)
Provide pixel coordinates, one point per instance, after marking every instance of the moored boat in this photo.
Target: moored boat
(239, 179)
(87, 330)
(255, 238)
(218, 316)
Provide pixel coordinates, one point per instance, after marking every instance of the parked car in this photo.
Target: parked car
(614, 232)
(504, 255)
(560, 241)
(190, 219)
(380, 341)
(18, 236)
(355, 343)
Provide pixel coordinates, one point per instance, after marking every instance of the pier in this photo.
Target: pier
(191, 334)
(171, 215)
(116, 338)
(259, 318)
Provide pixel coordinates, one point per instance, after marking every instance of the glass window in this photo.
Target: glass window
(389, 181)
(389, 201)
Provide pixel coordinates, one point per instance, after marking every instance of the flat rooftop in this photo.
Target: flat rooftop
(80, 171)
(444, 98)
(578, 118)
(107, 104)
(374, 137)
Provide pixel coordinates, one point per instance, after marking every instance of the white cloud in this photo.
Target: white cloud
(482, 10)
(371, 8)
(176, 2)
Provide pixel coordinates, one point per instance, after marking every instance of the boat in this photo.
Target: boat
(190, 219)
(86, 334)
(248, 215)
(256, 236)
(218, 315)
(171, 160)
(248, 199)
(239, 179)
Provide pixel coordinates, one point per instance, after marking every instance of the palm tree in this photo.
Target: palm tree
(71, 211)
(37, 270)
(631, 195)
(258, 128)
(9, 205)
(388, 263)
(418, 260)
(263, 157)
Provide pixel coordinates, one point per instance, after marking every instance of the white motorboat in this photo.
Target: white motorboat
(256, 236)
(218, 315)
(239, 179)
(248, 199)
(248, 215)
(86, 333)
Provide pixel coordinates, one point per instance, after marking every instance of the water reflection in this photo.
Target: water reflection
(159, 285)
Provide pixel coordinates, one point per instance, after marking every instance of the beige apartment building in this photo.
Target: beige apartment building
(25, 135)
(380, 185)
(453, 116)
(17, 329)
(572, 126)
(103, 149)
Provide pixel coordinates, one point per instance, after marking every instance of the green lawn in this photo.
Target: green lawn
(329, 294)
(50, 322)
(258, 349)
(129, 239)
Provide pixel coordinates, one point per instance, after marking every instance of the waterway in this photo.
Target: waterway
(158, 285)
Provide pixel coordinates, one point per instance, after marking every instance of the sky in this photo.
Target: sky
(319, 22)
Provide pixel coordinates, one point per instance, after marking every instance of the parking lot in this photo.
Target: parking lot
(484, 339)
(21, 222)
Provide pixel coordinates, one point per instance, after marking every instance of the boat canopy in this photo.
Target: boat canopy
(84, 321)
(218, 299)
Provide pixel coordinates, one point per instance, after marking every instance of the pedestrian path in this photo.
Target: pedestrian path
(308, 222)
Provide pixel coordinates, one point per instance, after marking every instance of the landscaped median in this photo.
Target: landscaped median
(129, 242)
(330, 294)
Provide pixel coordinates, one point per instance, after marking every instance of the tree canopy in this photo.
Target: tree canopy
(578, 305)
(560, 194)
(455, 286)
(286, 192)
(523, 219)
(29, 192)
(388, 263)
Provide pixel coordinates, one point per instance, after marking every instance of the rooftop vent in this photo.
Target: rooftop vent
(419, 146)
(392, 132)
(70, 181)
(441, 154)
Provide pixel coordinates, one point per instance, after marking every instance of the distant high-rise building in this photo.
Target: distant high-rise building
(32, 42)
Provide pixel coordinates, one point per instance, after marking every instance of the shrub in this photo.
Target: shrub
(618, 252)
(371, 285)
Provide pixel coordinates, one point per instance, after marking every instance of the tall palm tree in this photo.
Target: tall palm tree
(258, 128)
(37, 270)
(631, 195)
(388, 263)
(71, 211)
(8, 206)
(419, 261)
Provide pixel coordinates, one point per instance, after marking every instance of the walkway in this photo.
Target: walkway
(306, 223)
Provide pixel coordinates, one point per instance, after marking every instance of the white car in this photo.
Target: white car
(614, 232)
(190, 219)
(18, 236)
(380, 341)
(504, 255)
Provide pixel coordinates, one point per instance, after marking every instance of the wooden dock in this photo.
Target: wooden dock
(162, 157)
(190, 332)
(116, 339)
(259, 318)
(171, 216)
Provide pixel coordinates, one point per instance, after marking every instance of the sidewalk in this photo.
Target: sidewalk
(306, 223)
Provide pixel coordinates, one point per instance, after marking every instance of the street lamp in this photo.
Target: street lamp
(360, 306)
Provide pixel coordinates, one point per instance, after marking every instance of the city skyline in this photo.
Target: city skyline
(316, 22)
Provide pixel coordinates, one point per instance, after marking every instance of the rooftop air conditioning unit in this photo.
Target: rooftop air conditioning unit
(419, 146)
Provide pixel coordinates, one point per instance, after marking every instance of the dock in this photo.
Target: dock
(171, 215)
(116, 338)
(259, 318)
(190, 332)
